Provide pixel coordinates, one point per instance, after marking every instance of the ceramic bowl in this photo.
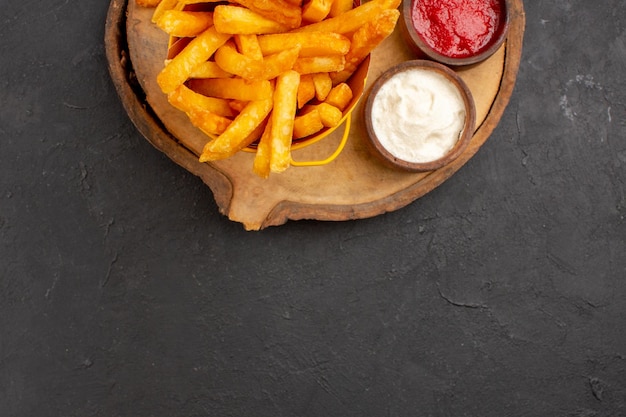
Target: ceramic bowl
(452, 82)
(424, 50)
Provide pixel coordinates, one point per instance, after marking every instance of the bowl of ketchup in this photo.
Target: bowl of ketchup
(455, 32)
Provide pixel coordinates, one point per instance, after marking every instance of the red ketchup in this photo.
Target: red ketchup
(457, 28)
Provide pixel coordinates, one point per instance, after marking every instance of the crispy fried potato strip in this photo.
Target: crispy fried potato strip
(316, 10)
(282, 11)
(240, 133)
(240, 20)
(261, 164)
(199, 50)
(148, 3)
(311, 44)
(184, 24)
(285, 98)
(353, 19)
(364, 40)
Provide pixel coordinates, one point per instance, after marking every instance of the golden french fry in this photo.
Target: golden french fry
(184, 24)
(230, 60)
(185, 99)
(281, 11)
(187, 2)
(238, 134)
(261, 164)
(209, 155)
(234, 62)
(316, 10)
(161, 7)
(209, 69)
(148, 3)
(353, 19)
(237, 105)
(315, 64)
(340, 6)
(310, 43)
(210, 123)
(306, 90)
(364, 40)
(323, 85)
(283, 114)
(274, 65)
(239, 20)
(248, 45)
(176, 45)
(233, 88)
(330, 116)
(199, 50)
(307, 124)
(340, 96)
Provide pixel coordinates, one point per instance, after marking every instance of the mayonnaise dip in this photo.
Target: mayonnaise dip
(418, 115)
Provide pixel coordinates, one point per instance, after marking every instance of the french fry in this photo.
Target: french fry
(148, 3)
(340, 6)
(364, 40)
(261, 163)
(231, 60)
(340, 96)
(248, 45)
(351, 20)
(161, 7)
(209, 69)
(307, 124)
(188, 2)
(183, 24)
(316, 10)
(237, 105)
(306, 89)
(330, 116)
(175, 47)
(209, 123)
(238, 134)
(200, 49)
(323, 85)
(310, 43)
(185, 99)
(240, 20)
(314, 64)
(282, 119)
(233, 88)
(275, 64)
(284, 12)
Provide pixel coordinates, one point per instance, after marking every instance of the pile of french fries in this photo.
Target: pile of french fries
(265, 72)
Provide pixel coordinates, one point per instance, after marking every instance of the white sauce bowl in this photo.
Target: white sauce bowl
(419, 116)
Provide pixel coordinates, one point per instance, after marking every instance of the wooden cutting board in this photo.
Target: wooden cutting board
(353, 186)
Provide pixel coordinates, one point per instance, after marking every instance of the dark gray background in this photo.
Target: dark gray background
(123, 291)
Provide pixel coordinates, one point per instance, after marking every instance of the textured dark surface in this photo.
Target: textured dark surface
(123, 292)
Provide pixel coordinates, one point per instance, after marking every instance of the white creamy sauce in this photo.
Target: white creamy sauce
(418, 115)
